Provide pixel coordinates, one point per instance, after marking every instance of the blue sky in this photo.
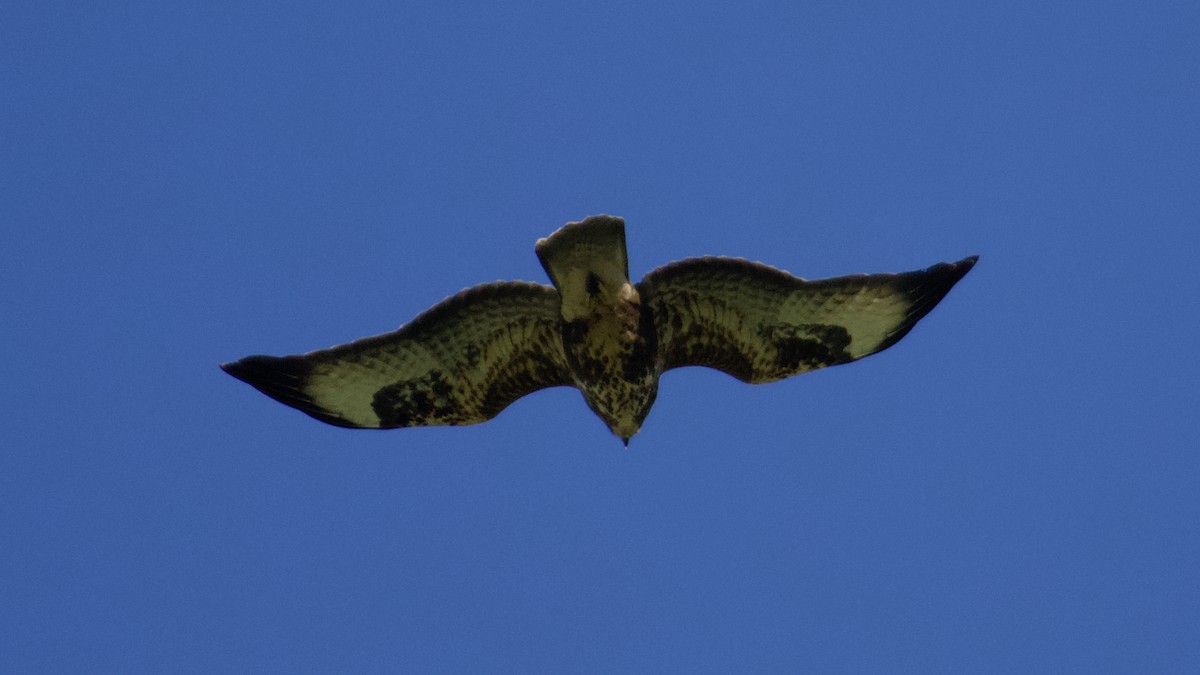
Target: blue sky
(1012, 488)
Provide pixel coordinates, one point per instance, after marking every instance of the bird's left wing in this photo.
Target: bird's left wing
(761, 324)
(461, 362)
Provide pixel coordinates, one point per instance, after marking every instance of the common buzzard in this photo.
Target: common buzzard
(471, 355)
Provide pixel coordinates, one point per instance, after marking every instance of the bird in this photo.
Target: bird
(470, 356)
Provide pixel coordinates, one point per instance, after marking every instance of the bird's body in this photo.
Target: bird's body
(607, 334)
(473, 354)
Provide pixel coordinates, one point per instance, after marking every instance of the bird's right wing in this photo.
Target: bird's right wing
(761, 324)
(461, 362)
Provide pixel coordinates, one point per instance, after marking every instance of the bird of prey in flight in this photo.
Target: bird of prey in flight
(471, 355)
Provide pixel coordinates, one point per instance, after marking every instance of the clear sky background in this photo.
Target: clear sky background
(1015, 487)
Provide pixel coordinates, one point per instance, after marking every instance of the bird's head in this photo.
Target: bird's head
(623, 405)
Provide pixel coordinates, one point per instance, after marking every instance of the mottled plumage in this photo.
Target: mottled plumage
(470, 356)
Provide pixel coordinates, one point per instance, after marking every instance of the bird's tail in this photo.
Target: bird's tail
(583, 253)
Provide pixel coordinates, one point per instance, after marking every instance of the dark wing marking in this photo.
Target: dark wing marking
(761, 324)
(461, 362)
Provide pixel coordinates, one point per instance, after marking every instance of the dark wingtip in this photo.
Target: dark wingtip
(939, 279)
(269, 374)
(942, 277)
(282, 378)
(926, 288)
(236, 369)
(951, 272)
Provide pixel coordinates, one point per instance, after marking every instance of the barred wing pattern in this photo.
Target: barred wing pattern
(461, 362)
(760, 324)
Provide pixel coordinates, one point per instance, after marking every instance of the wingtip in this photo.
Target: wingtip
(233, 369)
(951, 273)
(963, 266)
(257, 371)
(926, 288)
(282, 378)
